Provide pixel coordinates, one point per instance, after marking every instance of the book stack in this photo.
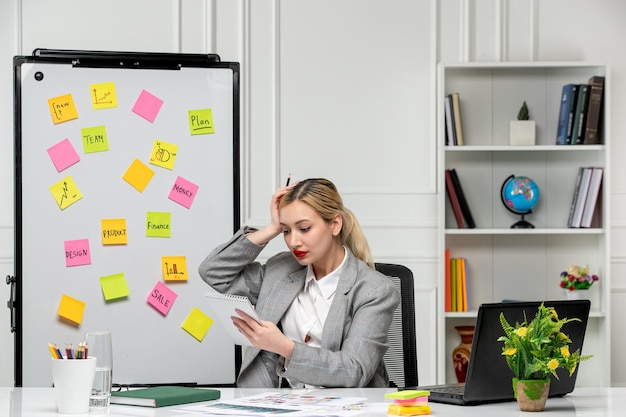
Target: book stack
(457, 284)
(586, 208)
(454, 126)
(580, 113)
(456, 196)
(408, 403)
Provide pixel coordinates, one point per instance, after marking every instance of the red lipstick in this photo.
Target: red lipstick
(299, 253)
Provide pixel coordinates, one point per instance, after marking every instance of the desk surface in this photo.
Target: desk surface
(590, 402)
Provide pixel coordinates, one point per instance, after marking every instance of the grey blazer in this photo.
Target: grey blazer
(354, 338)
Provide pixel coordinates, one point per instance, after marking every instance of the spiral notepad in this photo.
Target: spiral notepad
(223, 307)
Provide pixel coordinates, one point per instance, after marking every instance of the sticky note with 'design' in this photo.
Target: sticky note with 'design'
(77, 252)
(71, 309)
(197, 324)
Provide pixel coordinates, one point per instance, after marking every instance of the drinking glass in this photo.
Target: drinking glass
(100, 346)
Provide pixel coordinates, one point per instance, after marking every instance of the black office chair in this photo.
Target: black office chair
(401, 358)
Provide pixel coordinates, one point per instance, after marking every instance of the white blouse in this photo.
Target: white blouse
(304, 320)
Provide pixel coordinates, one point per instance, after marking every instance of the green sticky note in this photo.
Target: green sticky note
(95, 139)
(158, 224)
(407, 394)
(201, 122)
(114, 287)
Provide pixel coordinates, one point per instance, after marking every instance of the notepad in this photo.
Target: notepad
(163, 396)
(223, 307)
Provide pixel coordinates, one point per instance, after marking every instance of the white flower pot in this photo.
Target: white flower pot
(577, 294)
(522, 132)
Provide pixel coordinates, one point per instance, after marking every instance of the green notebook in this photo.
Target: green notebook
(163, 396)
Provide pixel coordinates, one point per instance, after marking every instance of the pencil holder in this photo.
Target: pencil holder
(73, 379)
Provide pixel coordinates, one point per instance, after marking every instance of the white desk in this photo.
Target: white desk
(588, 402)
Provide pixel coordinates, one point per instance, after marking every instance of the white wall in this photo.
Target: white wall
(335, 88)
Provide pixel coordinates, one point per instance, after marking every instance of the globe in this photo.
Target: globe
(520, 195)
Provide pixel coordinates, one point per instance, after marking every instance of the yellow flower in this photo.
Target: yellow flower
(510, 351)
(553, 364)
(555, 315)
(565, 351)
(521, 332)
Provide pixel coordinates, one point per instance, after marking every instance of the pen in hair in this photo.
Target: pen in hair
(288, 180)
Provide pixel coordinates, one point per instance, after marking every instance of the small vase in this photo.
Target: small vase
(531, 395)
(461, 353)
(577, 294)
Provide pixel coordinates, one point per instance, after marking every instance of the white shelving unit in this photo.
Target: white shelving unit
(521, 264)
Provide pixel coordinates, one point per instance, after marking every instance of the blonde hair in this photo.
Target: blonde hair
(322, 196)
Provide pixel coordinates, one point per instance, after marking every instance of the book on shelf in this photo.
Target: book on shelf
(578, 131)
(580, 194)
(566, 114)
(591, 202)
(447, 293)
(457, 297)
(454, 200)
(594, 110)
(459, 284)
(458, 125)
(467, 214)
(453, 291)
(162, 396)
(451, 139)
(223, 307)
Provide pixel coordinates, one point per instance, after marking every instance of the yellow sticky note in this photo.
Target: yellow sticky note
(62, 108)
(114, 286)
(197, 324)
(407, 394)
(201, 122)
(65, 192)
(174, 268)
(158, 224)
(398, 410)
(103, 95)
(163, 154)
(95, 139)
(138, 175)
(72, 309)
(114, 232)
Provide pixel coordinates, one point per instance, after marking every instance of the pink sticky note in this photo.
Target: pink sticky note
(183, 192)
(77, 252)
(161, 298)
(147, 106)
(63, 155)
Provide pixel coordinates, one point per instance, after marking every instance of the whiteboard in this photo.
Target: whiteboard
(150, 346)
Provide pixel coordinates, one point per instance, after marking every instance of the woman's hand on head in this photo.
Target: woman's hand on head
(266, 335)
(269, 232)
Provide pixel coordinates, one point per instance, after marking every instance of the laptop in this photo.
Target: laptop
(489, 378)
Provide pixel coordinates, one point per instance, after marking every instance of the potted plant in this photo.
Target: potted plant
(576, 280)
(535, 350)
(522, 130)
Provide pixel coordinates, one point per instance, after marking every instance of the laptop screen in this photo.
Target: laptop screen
(488, 376)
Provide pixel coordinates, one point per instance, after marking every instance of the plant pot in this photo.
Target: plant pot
(461, 353)
(531, 395)
(522, 132)
(577, 295)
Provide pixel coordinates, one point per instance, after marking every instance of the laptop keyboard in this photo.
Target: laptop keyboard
(451, 389)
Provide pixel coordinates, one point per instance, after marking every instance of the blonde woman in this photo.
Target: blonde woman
(325, 310)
